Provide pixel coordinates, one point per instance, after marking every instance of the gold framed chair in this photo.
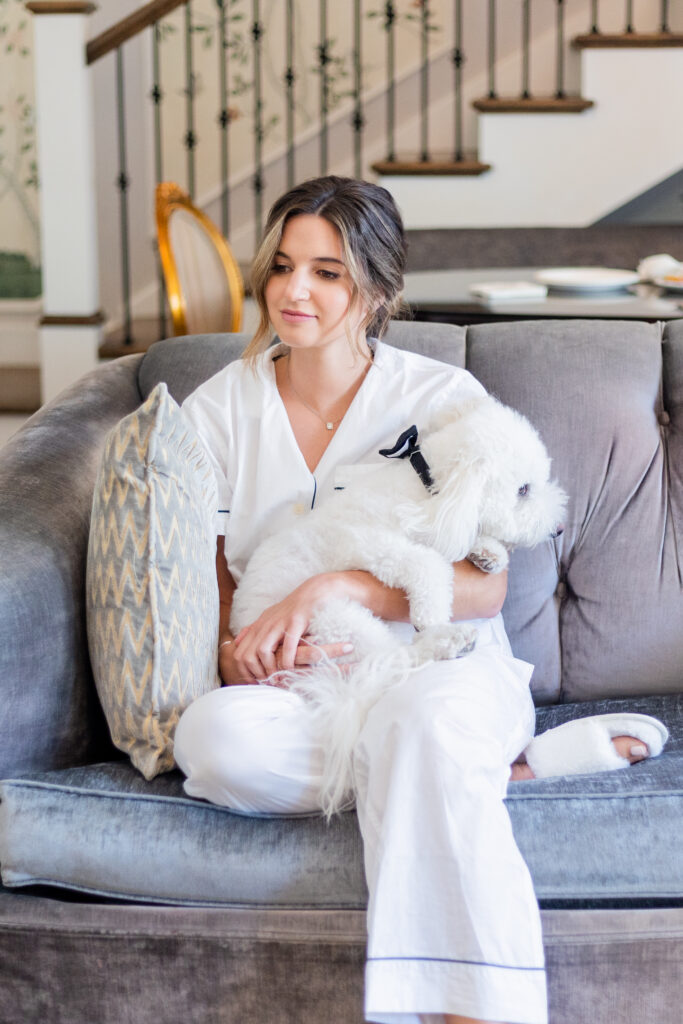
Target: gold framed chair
(204, 285)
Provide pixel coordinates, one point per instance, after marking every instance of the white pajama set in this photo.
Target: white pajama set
(453, 923)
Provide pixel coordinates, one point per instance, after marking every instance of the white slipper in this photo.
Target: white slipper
(585, 744)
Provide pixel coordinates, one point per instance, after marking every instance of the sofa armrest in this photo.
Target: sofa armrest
(49, 713)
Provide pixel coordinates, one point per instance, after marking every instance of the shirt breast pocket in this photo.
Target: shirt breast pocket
(354, 473)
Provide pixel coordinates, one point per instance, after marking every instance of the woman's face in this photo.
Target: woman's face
(308, 293)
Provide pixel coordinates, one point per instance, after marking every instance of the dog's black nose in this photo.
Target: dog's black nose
(559, 530)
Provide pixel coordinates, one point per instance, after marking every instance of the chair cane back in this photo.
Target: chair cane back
(203, 282)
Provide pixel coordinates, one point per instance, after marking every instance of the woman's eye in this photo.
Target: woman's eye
(279, 268)
(328, 275)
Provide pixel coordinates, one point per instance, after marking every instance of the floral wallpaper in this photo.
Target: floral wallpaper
(19, 223)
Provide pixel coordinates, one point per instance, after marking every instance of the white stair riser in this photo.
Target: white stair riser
(565, 170)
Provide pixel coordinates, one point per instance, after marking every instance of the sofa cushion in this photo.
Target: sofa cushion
(599, 612)
(601, 615)
(152, 594)
(595, 838)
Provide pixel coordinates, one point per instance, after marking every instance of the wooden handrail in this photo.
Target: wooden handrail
(61, 7)
(128, 27)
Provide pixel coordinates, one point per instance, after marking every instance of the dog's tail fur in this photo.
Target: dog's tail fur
(339, 699)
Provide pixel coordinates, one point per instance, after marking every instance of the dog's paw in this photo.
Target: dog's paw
(425, 613)
(489, 556)
(441, 643)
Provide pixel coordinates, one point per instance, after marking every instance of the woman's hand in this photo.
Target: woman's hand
(276, 641)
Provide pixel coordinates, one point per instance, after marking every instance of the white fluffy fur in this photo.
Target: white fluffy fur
(492, 492)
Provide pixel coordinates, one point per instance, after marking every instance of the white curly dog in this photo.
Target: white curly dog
(477, 485)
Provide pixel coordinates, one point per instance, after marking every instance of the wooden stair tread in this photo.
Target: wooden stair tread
(532, 104)
(628, 40)
(435, 165)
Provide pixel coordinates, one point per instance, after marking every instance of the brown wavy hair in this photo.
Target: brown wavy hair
(372, 239)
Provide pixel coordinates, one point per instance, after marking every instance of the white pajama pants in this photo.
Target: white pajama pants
(453, 923)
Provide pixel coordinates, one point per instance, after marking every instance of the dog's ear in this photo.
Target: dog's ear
(457, 506)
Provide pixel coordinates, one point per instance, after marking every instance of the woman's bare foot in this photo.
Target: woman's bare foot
(630, 747)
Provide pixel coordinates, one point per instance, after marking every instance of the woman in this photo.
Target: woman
(453, 924)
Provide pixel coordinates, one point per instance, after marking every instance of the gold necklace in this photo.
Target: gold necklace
(329, 424)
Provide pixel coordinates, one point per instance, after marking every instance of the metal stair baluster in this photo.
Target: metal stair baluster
(290, 79)
(157, 97)
(492, 49)
(323, 60)
(458, 61)
(560, 93)
(224, 116)
(257, 179)
(357, 119)
(390, 29)
(190, 137)
(424, 82)
(123, 182)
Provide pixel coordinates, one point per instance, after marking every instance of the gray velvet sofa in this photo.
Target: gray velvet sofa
(125, 902)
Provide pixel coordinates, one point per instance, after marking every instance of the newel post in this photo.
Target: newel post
(71, 326)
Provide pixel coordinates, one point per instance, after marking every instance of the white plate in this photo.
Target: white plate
(504, 290)
(672, 286)
(587, 279)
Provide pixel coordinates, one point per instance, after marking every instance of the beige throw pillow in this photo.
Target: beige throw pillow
(152, 595)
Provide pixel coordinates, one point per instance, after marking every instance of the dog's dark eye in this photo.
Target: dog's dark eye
(523, 491)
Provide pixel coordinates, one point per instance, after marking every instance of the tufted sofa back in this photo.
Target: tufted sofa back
(606, 617)
(599, 612)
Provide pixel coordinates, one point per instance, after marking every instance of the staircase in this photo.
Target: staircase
(565, 161)
(567, 156)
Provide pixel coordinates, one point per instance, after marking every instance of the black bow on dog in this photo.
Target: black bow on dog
(407, 447)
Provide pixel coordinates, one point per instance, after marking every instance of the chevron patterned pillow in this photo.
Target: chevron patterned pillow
(151, 590)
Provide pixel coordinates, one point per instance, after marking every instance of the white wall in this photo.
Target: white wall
(414, 197)
(19, 224)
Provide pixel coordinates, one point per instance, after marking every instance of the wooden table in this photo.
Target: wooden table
(443, 296)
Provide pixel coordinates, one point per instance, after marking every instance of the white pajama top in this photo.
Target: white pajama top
(264, 484)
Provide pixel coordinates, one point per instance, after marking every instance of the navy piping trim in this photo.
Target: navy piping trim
(226, 511)
(448, 960)
(315, 491)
